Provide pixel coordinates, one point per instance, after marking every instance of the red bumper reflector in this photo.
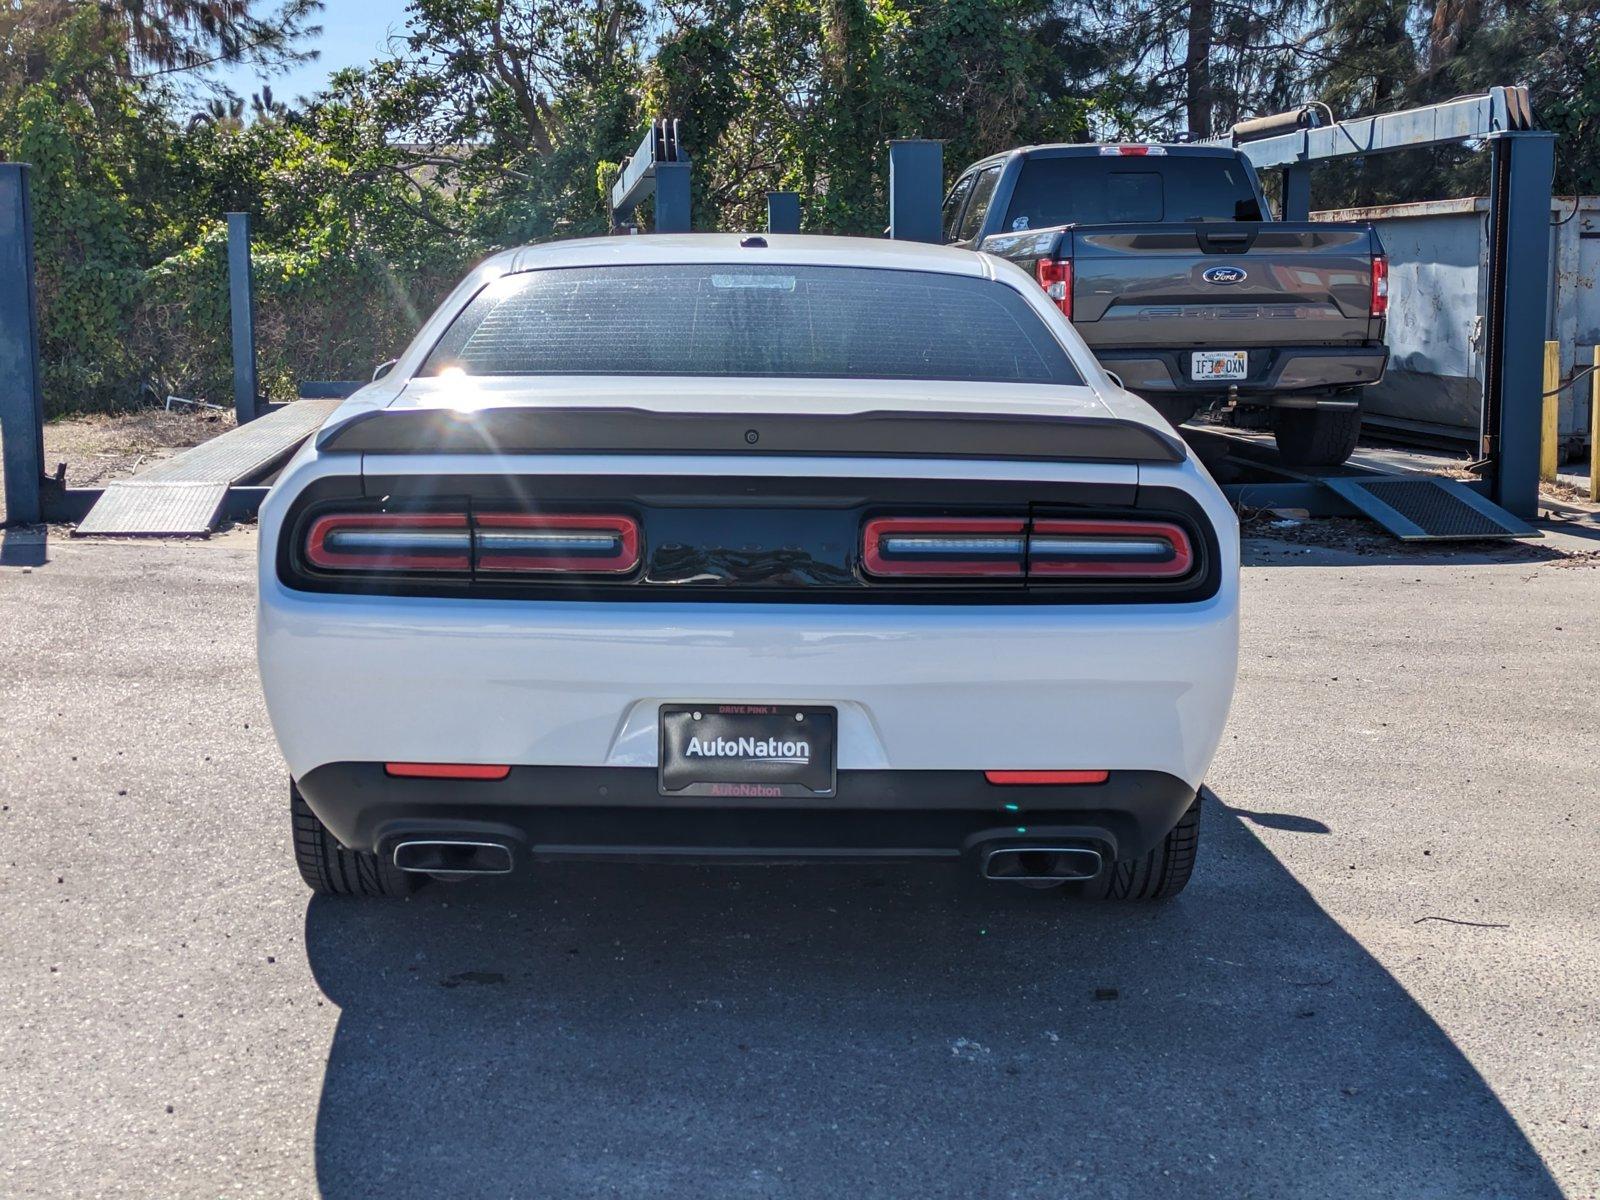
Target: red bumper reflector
(445, 771)
(1037, 777)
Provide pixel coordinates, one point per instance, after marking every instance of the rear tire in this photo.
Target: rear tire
(331, 870)
(1158, 875)
(1316, 437)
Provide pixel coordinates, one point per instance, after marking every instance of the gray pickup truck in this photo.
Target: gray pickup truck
(1164, 259)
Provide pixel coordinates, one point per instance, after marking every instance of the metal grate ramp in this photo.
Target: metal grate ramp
(1428, 509)
(184, 495)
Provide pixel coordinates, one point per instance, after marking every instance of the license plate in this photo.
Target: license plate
(1219, 364)
(755, 751)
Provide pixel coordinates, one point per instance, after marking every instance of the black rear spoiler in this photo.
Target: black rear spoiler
(533, 430)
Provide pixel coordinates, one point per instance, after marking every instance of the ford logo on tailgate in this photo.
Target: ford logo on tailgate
(1224, 275)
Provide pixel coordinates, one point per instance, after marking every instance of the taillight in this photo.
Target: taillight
(1012, 548)
(945, 546)
(1055, 277)
(544, 542)
(1380, 285)
(433, 542)
(1109, 549)
(456, 544)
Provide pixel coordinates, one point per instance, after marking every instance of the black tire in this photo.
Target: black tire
(331, 870)
(1316, 437)
(1159, 875)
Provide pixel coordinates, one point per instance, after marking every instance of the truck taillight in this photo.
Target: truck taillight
(454, 543)
(413, 542)
(1380, 285)
(1002, 548)
(546, 542)
(1055, 277)
(948, 547)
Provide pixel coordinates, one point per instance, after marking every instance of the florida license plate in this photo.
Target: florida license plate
(755, 751)
(1219, 364)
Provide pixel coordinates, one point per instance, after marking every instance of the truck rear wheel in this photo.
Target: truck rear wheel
(1316, 437)
(331, 870)
(1158, 875)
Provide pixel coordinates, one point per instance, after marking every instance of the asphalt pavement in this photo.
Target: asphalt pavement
(1384, 980)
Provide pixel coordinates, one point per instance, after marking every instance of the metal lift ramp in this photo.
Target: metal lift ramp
(184, 495)
(1427, 508)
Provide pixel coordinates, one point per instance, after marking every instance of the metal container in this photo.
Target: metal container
(1438, 286)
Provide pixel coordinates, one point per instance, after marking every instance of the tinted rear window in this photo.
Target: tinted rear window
(1114, 189)
(751, 320)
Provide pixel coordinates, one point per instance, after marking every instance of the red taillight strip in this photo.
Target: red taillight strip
(418, 553)
(962, 552)
(1091, 549)
(1380, 285)
(413, 770)
(1045, 777)
(505, 551)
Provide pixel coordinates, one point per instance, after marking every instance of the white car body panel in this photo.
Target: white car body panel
(382, 678)
(385, 678)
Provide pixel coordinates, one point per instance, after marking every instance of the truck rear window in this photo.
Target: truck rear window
(745, 319)
(1115, 189)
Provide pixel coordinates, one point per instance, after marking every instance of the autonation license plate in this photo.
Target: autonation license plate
(1219, 364)
(757, 751)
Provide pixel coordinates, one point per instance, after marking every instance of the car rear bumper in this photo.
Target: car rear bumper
(545, 813)
(1274, 369)
(581, 684)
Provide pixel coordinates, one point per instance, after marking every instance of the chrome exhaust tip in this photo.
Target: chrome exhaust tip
(1040, 864)
(452, 858)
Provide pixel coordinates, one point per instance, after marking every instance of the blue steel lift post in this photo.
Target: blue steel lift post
(916, 189)
(1522, 166)
(659, 168)
(783, 212)
(21, 403)
(242, 307)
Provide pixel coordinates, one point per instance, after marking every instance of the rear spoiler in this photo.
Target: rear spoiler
(533, 430)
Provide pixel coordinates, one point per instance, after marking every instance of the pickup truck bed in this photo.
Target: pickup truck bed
(1296, 297)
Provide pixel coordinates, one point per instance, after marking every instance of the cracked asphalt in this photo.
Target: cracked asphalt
(1383, 981)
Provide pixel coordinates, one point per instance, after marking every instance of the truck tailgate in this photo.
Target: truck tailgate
(1222, 285)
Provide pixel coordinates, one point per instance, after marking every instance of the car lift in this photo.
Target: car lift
(1417, 506)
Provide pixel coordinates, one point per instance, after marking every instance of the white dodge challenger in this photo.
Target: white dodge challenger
(750, 549)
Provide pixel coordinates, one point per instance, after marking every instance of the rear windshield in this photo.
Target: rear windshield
(752, 320)
(1117, 189)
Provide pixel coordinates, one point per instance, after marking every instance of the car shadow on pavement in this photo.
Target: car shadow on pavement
(810, 1032)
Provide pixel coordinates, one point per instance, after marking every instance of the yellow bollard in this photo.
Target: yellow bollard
(1550, 436)
(1594, 429)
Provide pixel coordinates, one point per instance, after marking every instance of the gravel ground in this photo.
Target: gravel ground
(1382, 983)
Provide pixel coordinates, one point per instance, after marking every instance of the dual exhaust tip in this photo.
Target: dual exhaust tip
(1040, 864)
(453, 859)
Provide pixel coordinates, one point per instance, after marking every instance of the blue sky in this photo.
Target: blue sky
(353, 32)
